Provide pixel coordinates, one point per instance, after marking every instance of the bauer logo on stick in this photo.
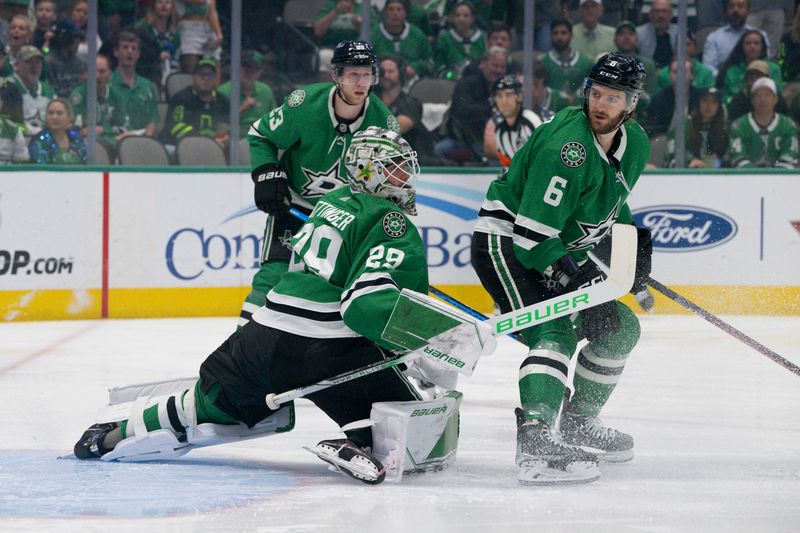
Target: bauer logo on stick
(573, 154)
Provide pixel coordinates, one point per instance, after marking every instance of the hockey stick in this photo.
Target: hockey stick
(724, 326)
(617, 283)
(275, 400)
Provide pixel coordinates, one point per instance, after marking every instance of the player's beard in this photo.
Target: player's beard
(609, 125)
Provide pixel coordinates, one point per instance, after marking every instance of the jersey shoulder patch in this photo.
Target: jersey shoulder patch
(573, 154)
(296, 98)
(394, 224)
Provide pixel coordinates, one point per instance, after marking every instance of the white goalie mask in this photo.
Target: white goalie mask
(380, 162)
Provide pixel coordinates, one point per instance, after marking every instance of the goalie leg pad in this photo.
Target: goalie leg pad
(179, 430)
(416, 436)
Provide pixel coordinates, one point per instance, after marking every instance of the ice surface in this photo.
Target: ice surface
(717, 429)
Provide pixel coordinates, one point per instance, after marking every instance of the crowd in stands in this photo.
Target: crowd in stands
(742, 73)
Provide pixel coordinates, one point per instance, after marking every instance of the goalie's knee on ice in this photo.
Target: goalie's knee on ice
(622, 342)
(416, 436)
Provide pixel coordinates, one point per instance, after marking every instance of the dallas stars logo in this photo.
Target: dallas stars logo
(573, 154)
(594, 233)
(320, 183)
(296, 98)
(286, 239)
(394, 224)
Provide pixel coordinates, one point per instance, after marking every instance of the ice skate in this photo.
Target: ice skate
(543, 460)
(590, 434)
(347, 457)
(90, 445)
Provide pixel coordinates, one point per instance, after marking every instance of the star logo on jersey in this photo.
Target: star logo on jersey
(394, 224)
(286, 239)
(594, 233)
(296, 98)
(323, 182)
(573, 154)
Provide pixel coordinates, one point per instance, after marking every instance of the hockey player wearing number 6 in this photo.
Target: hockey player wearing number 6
(296, 151)
(562, 193)
(326, 316)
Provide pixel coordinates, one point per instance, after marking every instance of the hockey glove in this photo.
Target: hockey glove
(271, 191)
(599, 321)
(644, 260)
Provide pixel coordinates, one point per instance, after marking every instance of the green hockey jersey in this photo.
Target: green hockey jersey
(411, 45)
(304, 136)
(562, 193)
(349, 262)
(750, 145)
(566, 77)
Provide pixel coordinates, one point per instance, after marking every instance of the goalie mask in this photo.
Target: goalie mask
(380, 162)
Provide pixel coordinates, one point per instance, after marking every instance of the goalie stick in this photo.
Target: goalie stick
(618, 282)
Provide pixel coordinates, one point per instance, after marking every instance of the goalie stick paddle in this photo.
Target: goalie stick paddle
(724, 326)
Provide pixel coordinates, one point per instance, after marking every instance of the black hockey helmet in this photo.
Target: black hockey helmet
(618, 71)
(354, 54)
(509, 81)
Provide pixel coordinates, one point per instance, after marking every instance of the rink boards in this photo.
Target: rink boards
(167, 242)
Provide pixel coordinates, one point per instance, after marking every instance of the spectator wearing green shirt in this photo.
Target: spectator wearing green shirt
(590, 37)
(108, 109)
(703, 76)
(394, 35)
(137, 94)
(566, 67)
(255, 96)
(339, 20)
(731, 77)
(461, 43)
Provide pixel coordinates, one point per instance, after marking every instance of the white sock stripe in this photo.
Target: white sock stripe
(550, 354)
(527, 370)
(603, 361)
(597, 378)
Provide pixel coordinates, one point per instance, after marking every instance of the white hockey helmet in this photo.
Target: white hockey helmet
(380, 162)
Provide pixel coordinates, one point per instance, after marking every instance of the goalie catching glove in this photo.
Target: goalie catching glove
(271, 192)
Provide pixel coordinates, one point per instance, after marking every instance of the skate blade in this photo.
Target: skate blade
(540, 474)
(354, 468)
(67, 455)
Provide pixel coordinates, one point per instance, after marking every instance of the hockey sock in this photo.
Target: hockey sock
(600, 365)
(595, 378)
(542, 379)
(167, 414)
